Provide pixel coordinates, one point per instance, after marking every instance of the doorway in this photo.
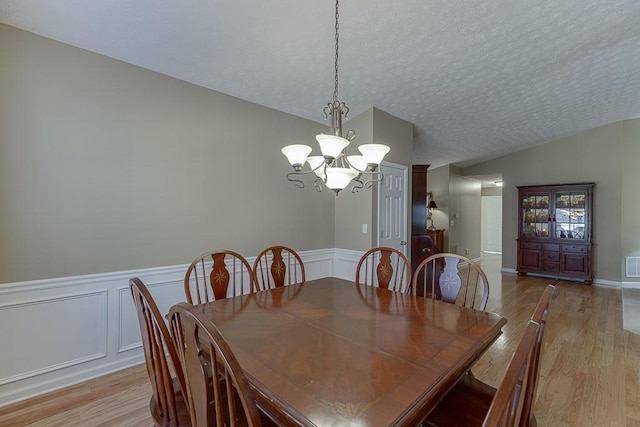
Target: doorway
(392, 207)
(491, 234)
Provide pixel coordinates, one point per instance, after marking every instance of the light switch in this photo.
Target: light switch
(364, 229)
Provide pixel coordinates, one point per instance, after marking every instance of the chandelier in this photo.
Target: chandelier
(334, 168)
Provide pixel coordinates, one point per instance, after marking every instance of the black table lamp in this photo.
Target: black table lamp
(432, 205)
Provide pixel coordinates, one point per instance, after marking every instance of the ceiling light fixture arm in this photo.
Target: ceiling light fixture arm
(375, 177)
(359, 184)
(292, 176)
(299, 183)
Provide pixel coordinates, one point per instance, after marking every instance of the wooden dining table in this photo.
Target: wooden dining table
(330, 352)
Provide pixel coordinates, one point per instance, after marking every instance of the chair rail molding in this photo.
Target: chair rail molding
(88, 323)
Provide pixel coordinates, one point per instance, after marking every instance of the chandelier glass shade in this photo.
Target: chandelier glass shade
(334, 168)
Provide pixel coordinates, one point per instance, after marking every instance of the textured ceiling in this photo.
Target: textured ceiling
(478, 79)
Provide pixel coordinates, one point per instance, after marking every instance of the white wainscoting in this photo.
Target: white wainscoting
(59, 332)
(346, 262)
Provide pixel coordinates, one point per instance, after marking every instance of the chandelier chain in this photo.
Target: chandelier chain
(335, 90)
(334, 168)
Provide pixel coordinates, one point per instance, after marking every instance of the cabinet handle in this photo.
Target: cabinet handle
(426, 250)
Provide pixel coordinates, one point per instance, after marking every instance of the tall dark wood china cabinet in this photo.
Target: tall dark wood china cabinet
(554, 230)
(422, 244)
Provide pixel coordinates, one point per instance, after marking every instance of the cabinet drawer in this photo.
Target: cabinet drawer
(535, 246)
(552, 256)
(576, 249)
(551, 267)
(551, 247)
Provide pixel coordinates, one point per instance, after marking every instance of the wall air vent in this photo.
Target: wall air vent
(633, 266)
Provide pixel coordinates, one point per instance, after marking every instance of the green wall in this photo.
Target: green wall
(105, 166)
(353, 210)
(630, 229)
(597, 155)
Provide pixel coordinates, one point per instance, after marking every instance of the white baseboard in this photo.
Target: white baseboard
(43, 384)
(607, 283)
(597, 282)
(78, 328)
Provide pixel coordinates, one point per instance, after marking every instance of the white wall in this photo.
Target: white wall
(491, 214)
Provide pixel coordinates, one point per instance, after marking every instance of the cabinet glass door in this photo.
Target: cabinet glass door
(570, 215)
(535, 215)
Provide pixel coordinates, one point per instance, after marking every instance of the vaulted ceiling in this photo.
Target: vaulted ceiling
(479, 79)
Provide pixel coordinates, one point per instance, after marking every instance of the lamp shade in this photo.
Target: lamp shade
(296, 154)
(314, 163)
(331, 145)
(339, 178)
(432, 205)
(373, 153)
(357, 162)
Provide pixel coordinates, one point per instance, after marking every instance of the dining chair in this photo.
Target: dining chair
(168, 404)
(217, 275)
(478, 398)
(505, 408)
(200, 346)
(278, 266)
(539, 316)
(452, 278)
(385, 268)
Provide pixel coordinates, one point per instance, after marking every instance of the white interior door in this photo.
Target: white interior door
(392, 207)
(492, 224)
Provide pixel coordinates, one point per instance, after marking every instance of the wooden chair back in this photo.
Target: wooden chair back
(539, 317)
(385, 268)
(278, 266)
(168, 407)
(217, 275)
(201, 347)
(507, 406)
(443, 276)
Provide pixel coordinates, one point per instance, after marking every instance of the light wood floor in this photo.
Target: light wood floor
(590, 374)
